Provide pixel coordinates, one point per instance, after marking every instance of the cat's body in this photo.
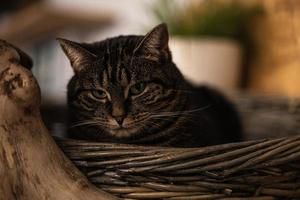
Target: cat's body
(127, 90)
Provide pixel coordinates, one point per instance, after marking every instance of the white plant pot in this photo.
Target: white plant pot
(214, 62)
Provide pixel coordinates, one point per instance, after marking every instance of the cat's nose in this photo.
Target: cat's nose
(118, 112)
(119, 120)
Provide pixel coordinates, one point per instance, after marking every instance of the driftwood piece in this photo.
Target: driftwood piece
(31, 165)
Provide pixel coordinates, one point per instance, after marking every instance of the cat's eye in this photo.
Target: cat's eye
(137, 88)
(99, 94)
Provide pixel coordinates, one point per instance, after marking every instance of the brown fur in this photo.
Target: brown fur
(127, 89)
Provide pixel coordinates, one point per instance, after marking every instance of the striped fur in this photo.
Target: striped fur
(127, 89)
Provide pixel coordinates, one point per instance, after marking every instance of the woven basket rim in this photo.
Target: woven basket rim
(262, 168)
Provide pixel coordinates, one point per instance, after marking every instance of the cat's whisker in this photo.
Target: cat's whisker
(194, 110)
(88, 122)
(171, 119)
(155, 124)
(178, 113)
(163, 119)
(185, 91)
(99, 119)
(147, 124)
(171, 115)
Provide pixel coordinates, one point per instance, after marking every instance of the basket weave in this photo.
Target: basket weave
(260, 169)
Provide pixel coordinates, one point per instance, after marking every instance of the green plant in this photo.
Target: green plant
(209, 18)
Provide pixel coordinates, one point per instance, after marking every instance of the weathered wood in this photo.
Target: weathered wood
(32, 167)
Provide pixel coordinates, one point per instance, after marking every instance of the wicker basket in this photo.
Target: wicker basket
(259, 169)
(263, 169)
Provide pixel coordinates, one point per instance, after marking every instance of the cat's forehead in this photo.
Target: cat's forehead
(121, 47)
(117, 62)
(115, 53)
(123, 71)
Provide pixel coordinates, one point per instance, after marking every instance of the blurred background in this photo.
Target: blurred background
(250, 49)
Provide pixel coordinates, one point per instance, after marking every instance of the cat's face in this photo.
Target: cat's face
(124, 86)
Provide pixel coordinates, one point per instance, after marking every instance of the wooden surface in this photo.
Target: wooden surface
(32, 167)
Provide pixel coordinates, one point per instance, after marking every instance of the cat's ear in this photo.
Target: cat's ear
(78, 55)
(154, 45)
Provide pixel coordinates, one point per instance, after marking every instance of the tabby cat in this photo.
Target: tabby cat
(126, 89)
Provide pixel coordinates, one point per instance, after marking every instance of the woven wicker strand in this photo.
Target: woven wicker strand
(258, 170)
